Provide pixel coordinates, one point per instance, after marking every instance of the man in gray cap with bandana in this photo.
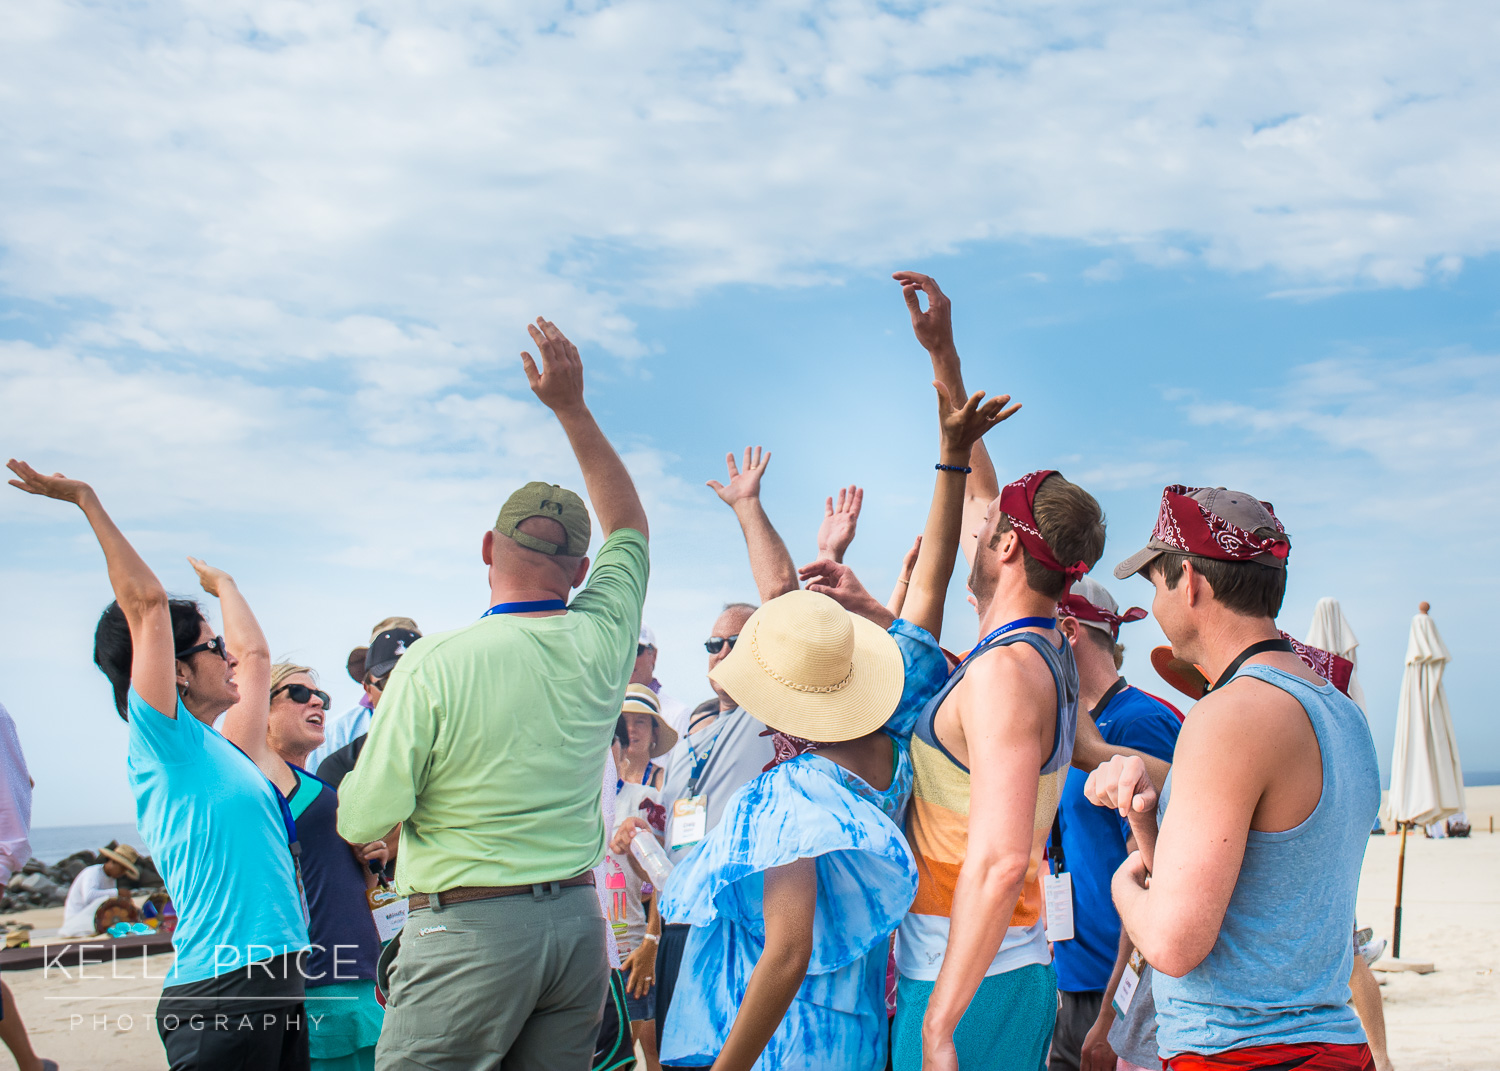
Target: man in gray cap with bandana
(490, 750)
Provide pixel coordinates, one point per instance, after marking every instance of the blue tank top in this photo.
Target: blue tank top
(1279, 972)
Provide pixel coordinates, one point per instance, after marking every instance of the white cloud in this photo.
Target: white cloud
(267, 181)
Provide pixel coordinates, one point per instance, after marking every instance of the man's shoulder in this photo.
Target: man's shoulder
(1012, 676)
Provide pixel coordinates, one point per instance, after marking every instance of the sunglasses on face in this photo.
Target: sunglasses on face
(301, 693)
(642, 648)
(379, 683)
(715, 644)
(216, 645)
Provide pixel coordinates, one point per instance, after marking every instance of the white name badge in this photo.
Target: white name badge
(1057, 890)
(689, 821)
(388, 911)
(1129, 982)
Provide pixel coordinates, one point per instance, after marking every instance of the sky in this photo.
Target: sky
(265, 270)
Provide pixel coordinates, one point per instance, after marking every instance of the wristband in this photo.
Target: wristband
(953, 468)
(653, 938)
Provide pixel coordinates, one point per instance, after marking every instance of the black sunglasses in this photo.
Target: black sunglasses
(715, 644)
(301, 693)
(216, 645)
(642, 648)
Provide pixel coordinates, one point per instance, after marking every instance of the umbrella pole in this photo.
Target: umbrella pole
(1400, 876)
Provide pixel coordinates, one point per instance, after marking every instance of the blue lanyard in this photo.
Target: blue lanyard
(524, 607)
(645, 778)
(1020, 622)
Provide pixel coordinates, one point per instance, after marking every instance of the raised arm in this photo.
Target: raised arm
(960, 429)
(933, 327)
(153, 667)
(245, 722)
(839, 522)
(903, 582)
(559, 386)
(770, 563)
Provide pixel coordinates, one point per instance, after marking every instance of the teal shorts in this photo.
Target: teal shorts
(1008, 1026)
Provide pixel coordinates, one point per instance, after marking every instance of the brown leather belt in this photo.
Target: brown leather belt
(465, 893)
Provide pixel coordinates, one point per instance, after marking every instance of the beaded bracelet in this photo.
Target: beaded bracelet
(953, 468)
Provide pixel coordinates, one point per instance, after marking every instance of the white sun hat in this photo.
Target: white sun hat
(807, 667)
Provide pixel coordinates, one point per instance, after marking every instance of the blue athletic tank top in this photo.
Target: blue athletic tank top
(1279, 972)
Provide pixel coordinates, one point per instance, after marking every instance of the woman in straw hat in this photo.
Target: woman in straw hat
(794, 895)
(94, 885)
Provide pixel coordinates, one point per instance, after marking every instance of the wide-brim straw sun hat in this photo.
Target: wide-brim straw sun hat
(642, 700)
(807, 667)
(126, 856)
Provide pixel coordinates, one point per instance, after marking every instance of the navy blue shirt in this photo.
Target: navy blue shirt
(345, 943)
(1093, 839)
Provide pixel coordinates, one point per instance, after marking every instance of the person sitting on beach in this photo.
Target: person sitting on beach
(355, 722)
(215, 824)
(94, 885)
(490, 749)
(1246, 911)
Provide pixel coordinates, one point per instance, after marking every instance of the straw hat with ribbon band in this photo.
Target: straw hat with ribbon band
(126, 856)
(642, 700)
(1212, 522)
(1091, 604)
(807, 667)
(1018, 502)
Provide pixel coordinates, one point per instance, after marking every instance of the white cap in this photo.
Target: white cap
(648, 638)
(1099, 595)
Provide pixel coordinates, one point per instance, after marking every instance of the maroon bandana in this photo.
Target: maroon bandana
(1334, 669)
(1017, 501)
(786, 747)
(1073, 605)
(1193, 529)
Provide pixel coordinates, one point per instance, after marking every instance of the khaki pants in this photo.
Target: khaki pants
(511, 984)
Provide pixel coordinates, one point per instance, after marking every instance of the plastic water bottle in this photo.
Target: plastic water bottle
(652, 857)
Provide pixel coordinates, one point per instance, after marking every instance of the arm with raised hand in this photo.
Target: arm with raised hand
(245, 722)
(770, 563)
(961, 428)
(153, 667)
(559, 386)
(933, 327)
(839, 522)
(898, 593)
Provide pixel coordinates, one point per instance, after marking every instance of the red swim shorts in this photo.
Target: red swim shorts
(1278, 1058)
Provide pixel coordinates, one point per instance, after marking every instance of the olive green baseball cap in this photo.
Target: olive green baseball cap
(555, 503)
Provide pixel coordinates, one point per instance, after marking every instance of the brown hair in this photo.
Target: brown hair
(1247, 588)
(1071, 523)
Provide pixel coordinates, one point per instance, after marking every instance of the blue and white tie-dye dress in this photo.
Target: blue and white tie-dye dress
(808, 807)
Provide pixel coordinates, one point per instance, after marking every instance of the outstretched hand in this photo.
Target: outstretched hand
(909, 561)
(964, 426)
(839, 522)
(933, 325)
(209, 576)
(55, 486)
(559, 384)
(743, 485)
(838, 582)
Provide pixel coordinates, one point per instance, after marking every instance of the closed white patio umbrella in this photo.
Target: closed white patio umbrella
(1427, 782)
(1330, 630)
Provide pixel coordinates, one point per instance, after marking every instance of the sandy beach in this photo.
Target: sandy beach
(1444, 1021)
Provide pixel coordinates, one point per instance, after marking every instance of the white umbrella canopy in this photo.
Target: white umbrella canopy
(1330, 630)
(1427, 783)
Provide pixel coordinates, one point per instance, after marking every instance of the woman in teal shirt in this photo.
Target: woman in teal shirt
(216, 828)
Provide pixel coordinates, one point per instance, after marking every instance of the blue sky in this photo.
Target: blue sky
(265, 269)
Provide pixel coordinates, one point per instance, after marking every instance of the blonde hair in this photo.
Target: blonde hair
(281, 672)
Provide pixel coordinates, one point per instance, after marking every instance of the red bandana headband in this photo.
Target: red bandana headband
(1187, 526)
(1017, 502)
(1077, 606)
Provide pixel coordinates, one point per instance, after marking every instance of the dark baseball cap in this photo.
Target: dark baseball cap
(386, 650)
(555, 503)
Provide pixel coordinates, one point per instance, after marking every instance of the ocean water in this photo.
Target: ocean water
(51, 843)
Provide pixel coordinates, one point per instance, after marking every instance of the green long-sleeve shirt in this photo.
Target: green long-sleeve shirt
(489, 741)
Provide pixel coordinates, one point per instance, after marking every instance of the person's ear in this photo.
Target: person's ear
(1070, 628)
(581, 573)
(1191, 579)
(487, 547)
